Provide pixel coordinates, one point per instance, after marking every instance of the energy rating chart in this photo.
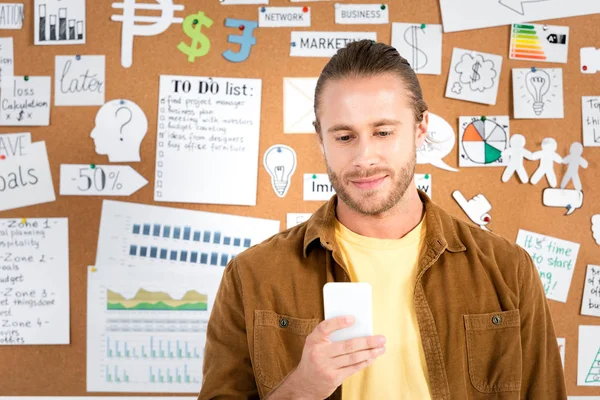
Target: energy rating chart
(539, 43)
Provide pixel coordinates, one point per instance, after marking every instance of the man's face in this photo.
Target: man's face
(369, 138)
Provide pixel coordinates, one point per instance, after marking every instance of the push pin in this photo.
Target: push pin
(93, 269)
(2, 157)
(293, 44)
(122, 102)
(382, 7)
(483, 118)
(23, 220)
(242, 27)
(533, 69)
(78, 57)
(92, 166)
(423, 26)
(314, 176)
(262, 9)
(26, 78)
(305, 9)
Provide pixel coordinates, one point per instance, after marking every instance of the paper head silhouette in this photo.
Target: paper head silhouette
(120, 127)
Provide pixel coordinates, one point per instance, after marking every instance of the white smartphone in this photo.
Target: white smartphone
(349, 298)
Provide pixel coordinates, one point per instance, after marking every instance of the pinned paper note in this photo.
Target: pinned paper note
(590, 111)
(11, 15)
(317, 187)
(195, 26)
(438, 144)
(153, 25)
(278, 17)
(548, 157)
(554, 259)
(34, 281)
(477, 208)
(293, 219)
(26, 101)
(596, 228)
(474, 76)
(298, 105)
(26, 180)
(482, 141)
(245, 39)
(362, 14)
(424, 182)
(561, 349)
(588, 357)
(99, 180)
(79, 80)
(14, 144)
(544, 43)
(590, 304)
(569, 199)
(515, 155)
(537, 93)
(7, 61)
(59, 22)
(119, 130)
(573, 161)
(280, 162)
(210, 126)
(421, 45)
(324, 44)
(590, 60)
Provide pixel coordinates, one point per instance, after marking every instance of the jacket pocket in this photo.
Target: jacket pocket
(278, 344)
(494, 351)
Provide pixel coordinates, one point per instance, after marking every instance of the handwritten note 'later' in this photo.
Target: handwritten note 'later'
(555, 260)
(79, 80)
(34, 281)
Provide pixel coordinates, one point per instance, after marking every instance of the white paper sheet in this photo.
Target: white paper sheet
(298, 105)
(481, 142)
(590, 304)
(7, 61)
(26, 180)
(538, 93)
(99, 180)
(26, 102)
(293, 219)
(590, 111)
(536, 42)
(588, 359)
(142, 235)
(323, 44)
(438, 144)
(317, 187)
(59, 22)
(589, 58)
(460, 15)
(362, 14)
(14, 144)
(421, 45)
(210, 126)
(278, 17)
(11, 15)
(34, 281)
(424, 182)
(79, 80)
(146, 327)
(474, 76)
(555, 260)
(561, 348)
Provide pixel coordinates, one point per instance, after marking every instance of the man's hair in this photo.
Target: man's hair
(366, 58)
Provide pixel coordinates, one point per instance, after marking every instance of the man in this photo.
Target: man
(459, 312)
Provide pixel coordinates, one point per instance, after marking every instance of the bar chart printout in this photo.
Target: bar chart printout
(147, 327)
(59, 22)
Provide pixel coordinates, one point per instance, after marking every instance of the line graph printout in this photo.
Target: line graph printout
(147, 327)
(134, 234)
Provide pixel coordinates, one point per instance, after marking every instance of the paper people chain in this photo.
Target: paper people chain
(516, 152)
(574, 161)
(547, 156)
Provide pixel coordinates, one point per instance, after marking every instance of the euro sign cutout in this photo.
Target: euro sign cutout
(192, 26)
(154, 25)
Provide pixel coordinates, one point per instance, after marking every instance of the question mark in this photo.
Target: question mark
(126, 122)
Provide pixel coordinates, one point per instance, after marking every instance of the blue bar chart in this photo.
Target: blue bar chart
(150, 347)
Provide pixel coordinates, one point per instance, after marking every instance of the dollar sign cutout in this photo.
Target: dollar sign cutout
(192, 26)
(411, 37)
(475, 76)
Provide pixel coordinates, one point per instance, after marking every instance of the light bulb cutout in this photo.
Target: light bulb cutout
(538, 83)
(280, 162)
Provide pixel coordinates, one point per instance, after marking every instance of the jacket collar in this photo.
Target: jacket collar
(439, 226)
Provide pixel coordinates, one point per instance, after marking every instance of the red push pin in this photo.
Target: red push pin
(584, 68)
(242, 27)
(305, 9)
(2, 157)
(486, 218)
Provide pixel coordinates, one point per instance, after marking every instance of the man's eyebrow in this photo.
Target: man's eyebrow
(339, 127)
(386, 122)
(346, 127)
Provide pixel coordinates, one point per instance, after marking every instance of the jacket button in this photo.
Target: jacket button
(496, 320)
(283, 323)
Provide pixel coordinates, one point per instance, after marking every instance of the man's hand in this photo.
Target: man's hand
(325, 364)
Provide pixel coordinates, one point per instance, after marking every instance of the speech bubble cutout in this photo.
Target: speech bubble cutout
(439, 143)
(571, 199)
(596, 228)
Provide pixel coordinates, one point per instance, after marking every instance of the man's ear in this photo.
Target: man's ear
(421, 133)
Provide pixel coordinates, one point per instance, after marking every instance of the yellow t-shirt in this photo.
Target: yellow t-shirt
(390, 266)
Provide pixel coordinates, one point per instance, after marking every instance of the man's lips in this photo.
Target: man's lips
(368, 183)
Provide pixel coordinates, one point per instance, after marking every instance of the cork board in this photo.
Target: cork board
(60, 370)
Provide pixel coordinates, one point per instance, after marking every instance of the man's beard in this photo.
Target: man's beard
(367, 204)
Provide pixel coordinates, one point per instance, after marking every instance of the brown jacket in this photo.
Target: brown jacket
(484, 319)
